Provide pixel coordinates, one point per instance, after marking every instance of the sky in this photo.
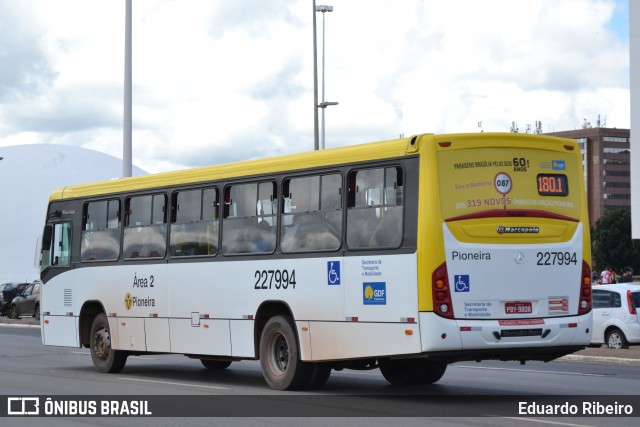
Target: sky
(216, 81)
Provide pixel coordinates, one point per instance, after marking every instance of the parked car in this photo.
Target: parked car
(616, 315)
(3, 310)
(27, 303)
(8, 292)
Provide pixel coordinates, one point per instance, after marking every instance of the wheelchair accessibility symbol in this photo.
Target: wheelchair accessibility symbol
(333, 272)
(461, 282)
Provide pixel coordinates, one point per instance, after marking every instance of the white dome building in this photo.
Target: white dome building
(28, 175)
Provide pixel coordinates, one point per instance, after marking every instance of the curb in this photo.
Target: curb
(600, 359)
(19, 325)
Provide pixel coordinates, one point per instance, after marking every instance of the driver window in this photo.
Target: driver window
(56, 246)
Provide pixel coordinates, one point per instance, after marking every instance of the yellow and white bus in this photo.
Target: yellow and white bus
(403, 255)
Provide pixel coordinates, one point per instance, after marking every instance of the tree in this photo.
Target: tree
(611, 243)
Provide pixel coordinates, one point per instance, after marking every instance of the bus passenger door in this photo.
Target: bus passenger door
(58, 286)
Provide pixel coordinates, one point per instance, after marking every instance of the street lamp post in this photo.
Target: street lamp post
(315, 80)
(127, 125)
(323, 104)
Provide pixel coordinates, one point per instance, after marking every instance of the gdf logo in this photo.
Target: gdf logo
(128, 301)
(374, 293)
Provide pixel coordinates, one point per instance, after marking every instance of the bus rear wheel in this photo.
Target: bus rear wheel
(320, 373)
(412, 371)
(104, 357)
(282, 368)
(435, 371)
(215, 365)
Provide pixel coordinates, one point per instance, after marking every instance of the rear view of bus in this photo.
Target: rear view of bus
(508, 260)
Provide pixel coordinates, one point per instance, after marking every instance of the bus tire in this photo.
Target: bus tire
(411, 371)
(280, 361)
(320, 373)
(105, 358)
(215, 365)
(435, 371)
(402, 371)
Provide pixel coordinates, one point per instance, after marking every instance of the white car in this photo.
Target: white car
(616, 315)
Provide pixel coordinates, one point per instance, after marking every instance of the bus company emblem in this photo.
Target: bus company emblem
(517, 230)
(558, 165)
(128, 301)
(374, 293)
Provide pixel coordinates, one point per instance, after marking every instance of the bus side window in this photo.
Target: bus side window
(194, 222)
(249, 222)
(145, 232)
(101, 231)
(375, 210)
(312, 215)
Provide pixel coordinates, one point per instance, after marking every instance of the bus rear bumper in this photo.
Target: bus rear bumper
(504, 339)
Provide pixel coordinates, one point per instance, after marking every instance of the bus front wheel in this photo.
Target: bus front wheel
(104, 357)
(280, 356)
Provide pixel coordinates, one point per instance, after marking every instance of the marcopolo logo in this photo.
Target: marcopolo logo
(374, 293)
(517, 230)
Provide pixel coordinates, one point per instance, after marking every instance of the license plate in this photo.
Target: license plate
(521, 332)
(518, 308)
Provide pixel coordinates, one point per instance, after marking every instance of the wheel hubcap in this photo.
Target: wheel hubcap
(615, 341)
(280, 353)
(101, 344)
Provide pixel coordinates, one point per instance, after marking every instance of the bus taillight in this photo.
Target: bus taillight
(442, 305)
(585, 290)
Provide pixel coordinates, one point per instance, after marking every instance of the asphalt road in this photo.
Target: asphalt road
(350, 398)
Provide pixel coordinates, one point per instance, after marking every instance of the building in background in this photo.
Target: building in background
(606, 159)
(28, 175)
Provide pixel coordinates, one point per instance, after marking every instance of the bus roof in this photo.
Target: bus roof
(335, 156)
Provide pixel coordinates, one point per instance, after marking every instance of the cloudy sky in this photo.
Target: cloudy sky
(225, 80)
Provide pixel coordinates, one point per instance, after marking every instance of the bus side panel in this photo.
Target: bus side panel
(59, 322)
(242, 338)
(347, 340)
(438, 333)
(60, 331)
(200, 336)
(131, 334)
(380, 288)
(157, 334)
